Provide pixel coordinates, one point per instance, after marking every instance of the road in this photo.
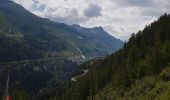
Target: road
(74, 79)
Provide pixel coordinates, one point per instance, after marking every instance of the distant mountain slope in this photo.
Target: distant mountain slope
(138, 71)
(41, 53)
(102, 40)
(26, 36)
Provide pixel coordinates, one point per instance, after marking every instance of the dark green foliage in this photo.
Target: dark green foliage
(27, 36)
(140, 70)
(37, 77)
(43, 53)
(133, 71)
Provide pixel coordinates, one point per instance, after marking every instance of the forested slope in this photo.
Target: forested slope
(24, 35)
(139, 70)
(42, 54)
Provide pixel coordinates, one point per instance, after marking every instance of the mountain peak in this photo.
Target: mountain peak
(78, 27)
(99, 28)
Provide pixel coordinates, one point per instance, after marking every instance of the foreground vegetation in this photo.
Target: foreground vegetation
(140, 70)
(42, 54)
(155, 87)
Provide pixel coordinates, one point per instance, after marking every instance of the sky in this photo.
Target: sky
(119, 18)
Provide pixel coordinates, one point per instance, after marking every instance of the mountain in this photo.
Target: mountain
(39, 52)
(42, 54)
(138, 71)
(100, 37)
(26, 36)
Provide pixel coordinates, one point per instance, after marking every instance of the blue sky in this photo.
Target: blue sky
(119, 18)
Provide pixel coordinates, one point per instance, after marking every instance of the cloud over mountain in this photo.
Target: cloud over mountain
(93, 11)
(119, 17)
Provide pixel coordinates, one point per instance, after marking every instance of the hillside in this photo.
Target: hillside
(43, 57)
(26, 36)
(42, 54)
(138, 71)
(101, 39)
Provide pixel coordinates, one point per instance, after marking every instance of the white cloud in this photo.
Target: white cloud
(119, 17)
(28, 4)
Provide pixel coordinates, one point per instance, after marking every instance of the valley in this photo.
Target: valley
(43, 59)
(44, 55)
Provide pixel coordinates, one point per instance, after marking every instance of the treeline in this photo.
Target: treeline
(30, 80)
(145, 54)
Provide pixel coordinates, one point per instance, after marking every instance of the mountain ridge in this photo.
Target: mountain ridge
(138, 71)
(41, 34)
(43, 55)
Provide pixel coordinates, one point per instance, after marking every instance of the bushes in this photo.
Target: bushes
(165, 74)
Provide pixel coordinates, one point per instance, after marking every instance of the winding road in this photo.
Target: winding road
(74, 79)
